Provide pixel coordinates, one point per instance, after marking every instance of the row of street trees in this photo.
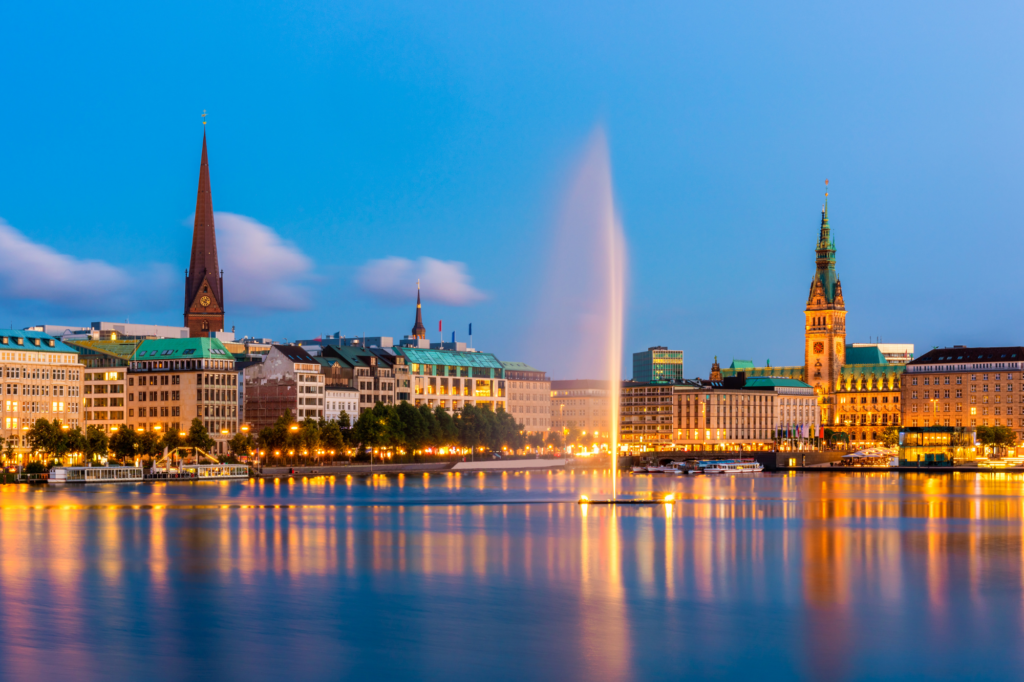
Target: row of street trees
(401, 428)
(57, 441)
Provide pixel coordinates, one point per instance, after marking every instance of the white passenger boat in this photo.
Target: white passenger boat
(734, 467)
(59, 475)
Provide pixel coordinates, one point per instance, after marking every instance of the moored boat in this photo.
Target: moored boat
(743, 466)
(59, 475)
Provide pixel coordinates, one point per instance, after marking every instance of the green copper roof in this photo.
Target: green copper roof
(774, 382)
(741, 364)
(118, 349)
(796, 373)
(864, 355)
(826, 259)
(182, 349)
(422, 356)
(518, 366)
(9, 340)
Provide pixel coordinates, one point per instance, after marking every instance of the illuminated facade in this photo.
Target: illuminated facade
(41, 378)
(857, 385)
(580, 404)
(173, 381)
(965, 387)
(529, 396)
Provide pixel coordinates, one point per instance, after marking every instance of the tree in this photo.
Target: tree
(995, 437)
(890, 436)
(535, 440)
(371, 428)
(171, 440)
(447, 428)
(555, 440)
(199, 437)
(9, 448)
(148, 444)
(332, 438)
(94, 444)
(344, 421)
(42, 436)
(240, 444)
(123, 443)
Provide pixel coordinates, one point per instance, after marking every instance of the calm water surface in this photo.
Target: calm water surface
(837, 576)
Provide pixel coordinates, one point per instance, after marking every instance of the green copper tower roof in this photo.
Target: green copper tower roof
(826, 258)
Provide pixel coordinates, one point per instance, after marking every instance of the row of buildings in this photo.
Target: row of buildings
(160, 378)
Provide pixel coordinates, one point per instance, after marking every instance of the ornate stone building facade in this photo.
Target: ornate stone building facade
(857, 388)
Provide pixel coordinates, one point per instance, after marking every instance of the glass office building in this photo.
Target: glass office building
(658, 363)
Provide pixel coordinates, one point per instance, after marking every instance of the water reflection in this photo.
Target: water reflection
(845, 576)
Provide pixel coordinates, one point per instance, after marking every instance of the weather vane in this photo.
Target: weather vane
(204, 123)
(826, 179)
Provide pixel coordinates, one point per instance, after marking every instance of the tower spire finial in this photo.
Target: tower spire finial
(204, 116)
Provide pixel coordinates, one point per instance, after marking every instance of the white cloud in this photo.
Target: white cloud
(261, 270)
(38, 273)
(393, 279)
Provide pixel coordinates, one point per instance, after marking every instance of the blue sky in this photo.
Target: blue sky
(398, 132)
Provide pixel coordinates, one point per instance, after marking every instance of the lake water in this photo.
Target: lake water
(832, 576)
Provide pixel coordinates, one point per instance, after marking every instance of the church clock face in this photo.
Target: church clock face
(205, 301)
(819, 347)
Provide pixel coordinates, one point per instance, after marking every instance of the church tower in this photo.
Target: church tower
(418, 330)
(825, 320)
(204, 281)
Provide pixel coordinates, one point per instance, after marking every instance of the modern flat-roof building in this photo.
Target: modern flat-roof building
(658, 363)
(965, 387)
(529, 396)
(173, 381)
(41, 377)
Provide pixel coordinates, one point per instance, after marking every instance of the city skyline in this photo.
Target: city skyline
(332, 210)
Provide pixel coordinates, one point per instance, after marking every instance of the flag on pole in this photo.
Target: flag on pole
(439, 325)
(471, 329)
(453, 337)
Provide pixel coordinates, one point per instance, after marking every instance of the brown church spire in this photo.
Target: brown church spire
(204, 286)
(418, 330)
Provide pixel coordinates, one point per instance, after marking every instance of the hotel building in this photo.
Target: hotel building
(452, 379)
(41, 378)
(658, 363)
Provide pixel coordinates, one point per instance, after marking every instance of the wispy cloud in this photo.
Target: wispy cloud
(35, 272)
(262, 271)
(393, 279)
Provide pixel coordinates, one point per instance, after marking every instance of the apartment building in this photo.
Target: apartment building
(289, 379)
(173, 381)
(41, 377)
(380, 375)
(529, 396)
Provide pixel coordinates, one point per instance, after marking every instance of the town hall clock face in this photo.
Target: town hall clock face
(819, 347)
(205, 302)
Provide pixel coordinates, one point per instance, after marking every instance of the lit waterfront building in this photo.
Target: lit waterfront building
(857, 385)
(529, 396)
(734, 413)
(965, 387)
(658, 363)
(452, 379)
(41, 379)
(581, 404)
(173, 381)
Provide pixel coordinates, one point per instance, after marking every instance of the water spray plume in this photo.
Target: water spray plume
(581, 314)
